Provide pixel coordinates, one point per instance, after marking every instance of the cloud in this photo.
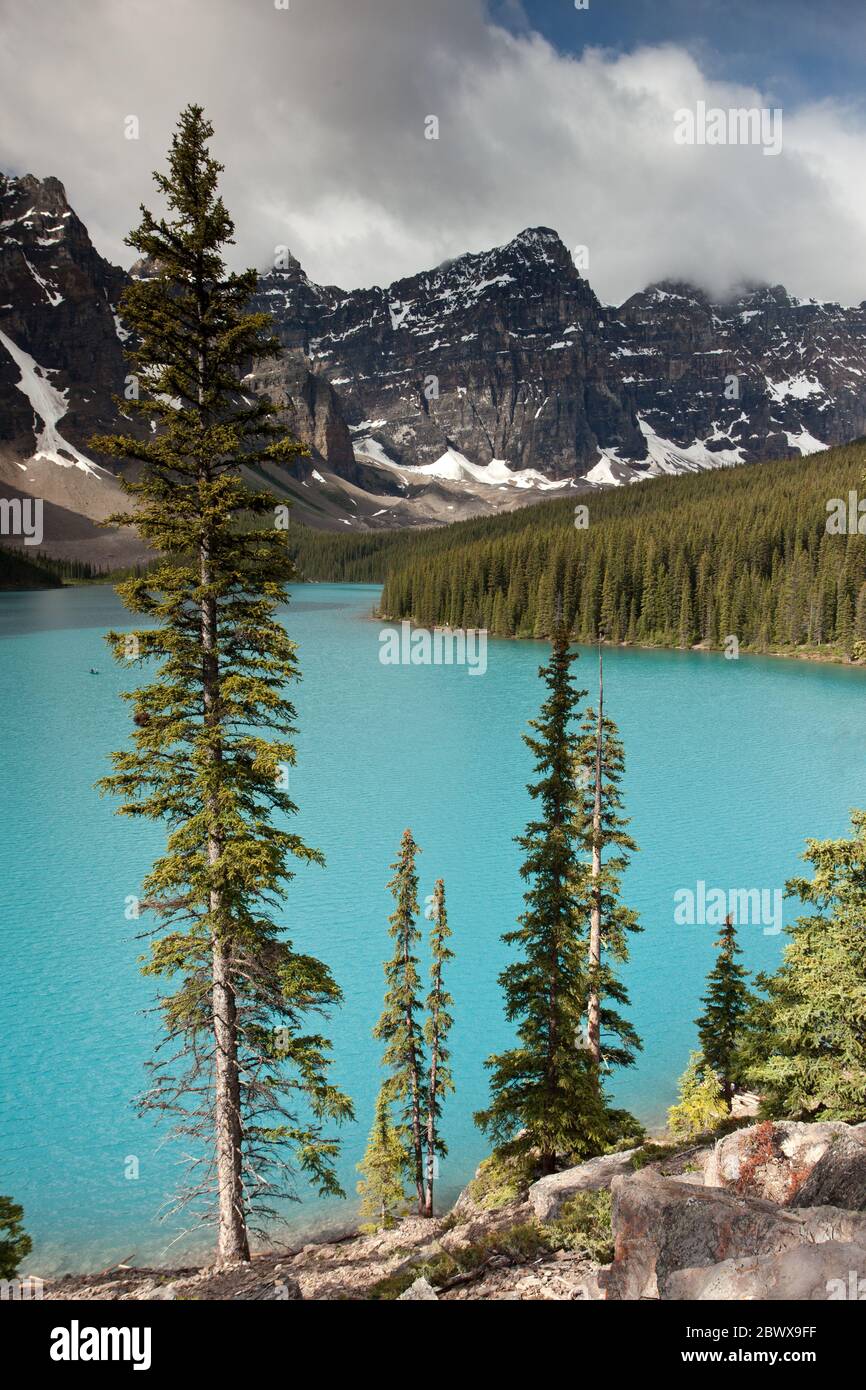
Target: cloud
(320, 120)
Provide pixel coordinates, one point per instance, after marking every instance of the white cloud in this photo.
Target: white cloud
(320, 111)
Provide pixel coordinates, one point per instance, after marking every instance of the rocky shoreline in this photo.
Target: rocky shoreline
(775, 1210)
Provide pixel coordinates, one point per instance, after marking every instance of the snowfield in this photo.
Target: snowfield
(49, 406)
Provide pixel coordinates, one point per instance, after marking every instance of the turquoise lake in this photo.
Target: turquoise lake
(730, 766)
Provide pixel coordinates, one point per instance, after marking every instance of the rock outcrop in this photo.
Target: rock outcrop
(838, 1179)
(832, 1270)
(548, 1196)
(422, 1291)
(777, 1160)
(662, 1226)
(678, 1233)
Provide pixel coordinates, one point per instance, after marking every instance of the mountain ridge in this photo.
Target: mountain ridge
(473, 387)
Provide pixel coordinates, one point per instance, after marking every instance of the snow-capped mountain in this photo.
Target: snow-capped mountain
(489, 382)
(509, 355)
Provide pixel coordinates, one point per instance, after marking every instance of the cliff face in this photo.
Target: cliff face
(57, 304)
(508, 354)
(496, 355)
(766, 374)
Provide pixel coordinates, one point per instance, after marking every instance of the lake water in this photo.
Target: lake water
(730, 765)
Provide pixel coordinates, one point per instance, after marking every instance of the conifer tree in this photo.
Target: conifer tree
(810, 1031)
(701, 1106)
(611, 1038)
(15, 1244)
(399, 1027)
(545, 1092)
(383, 1198)
(726, 1006)
(436, 1030)
(244, 1077)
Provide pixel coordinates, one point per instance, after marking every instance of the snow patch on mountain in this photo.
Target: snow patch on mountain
(49, 406)
(667, 457)
(799, 387)
(371, 449)
(52, 294)
(454, 467)
(805, 442)
(611, 471)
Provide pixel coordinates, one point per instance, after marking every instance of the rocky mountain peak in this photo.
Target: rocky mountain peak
(25, 191)
(502, 357)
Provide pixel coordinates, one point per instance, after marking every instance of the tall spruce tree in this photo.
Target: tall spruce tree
(383, 1198)
(399, 1027)
(809, 1053)
(726, 1006)
(436, 1029)
(244, 1077)
(546, 1097)
(611, 1038)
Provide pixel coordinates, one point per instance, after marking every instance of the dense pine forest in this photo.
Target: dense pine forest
(748, 552)
(19, 571)
(751, 552)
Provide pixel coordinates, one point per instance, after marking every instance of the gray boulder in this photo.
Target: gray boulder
(838, 1179)
(804, 1273)
(661, 1226)
(773, 1159)
(549, 1195)
(421, 1290)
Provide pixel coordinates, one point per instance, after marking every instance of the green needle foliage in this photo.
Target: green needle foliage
(15, 1244)
(546, 1097)
(726, 1006)
(383, 1199)
(701, 1106)
(399, 1027)
(239, 1070)
(811, 1062)
(436, 1030)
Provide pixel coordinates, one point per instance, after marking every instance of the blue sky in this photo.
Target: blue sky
(794, 50)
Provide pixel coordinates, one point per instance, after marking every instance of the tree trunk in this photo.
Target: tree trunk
(594, 1003)
(431, 1140)
(232, 1240)
(417, 1145)
(431, 1097)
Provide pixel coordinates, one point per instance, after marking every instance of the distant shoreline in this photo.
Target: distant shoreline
(812, 655)
(818, 657)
